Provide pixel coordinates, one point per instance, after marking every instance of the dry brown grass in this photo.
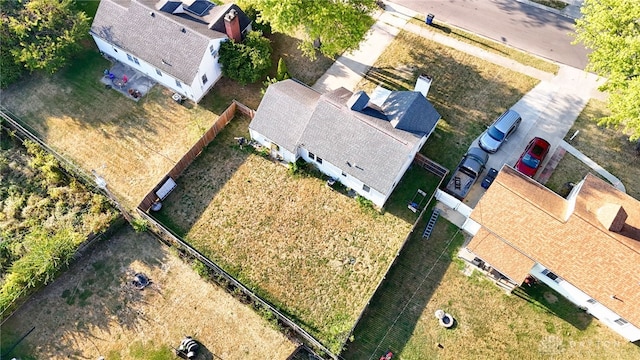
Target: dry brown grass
(91, 310)
(609, 148)
(467, 91)
(130, 144)
(305, 247)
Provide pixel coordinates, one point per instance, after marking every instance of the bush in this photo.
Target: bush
(139, 225)
(246, 62)
(258, 23)
(283, 72)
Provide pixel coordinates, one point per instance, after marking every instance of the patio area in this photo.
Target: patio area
(127, 80)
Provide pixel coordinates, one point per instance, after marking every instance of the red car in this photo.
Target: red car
(532, 157)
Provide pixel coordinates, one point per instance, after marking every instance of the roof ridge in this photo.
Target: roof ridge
(365, 121)
(161, 13)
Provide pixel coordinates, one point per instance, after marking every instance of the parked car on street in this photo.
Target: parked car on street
(505, 125)
(532, 157)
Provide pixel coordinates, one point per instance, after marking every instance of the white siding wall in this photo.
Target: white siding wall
(209, 67)
(264, 141)
(193, 90)
(349, 181)
(576, 296)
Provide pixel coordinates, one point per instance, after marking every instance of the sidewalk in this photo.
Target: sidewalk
(548, 110)
(572, 11)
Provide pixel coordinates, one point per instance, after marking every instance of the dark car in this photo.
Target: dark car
(532, 157)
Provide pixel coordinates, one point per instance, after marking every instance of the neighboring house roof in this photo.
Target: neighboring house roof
(173, 43)
(366, 147)
(523, 222)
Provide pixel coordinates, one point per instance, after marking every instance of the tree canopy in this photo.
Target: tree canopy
(611, 28)
(246, 62)
(338, 25)
(39, 35)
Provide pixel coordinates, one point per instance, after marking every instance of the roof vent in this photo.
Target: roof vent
(152, 14)
(184, 30)
(358, 101)
(612, 216)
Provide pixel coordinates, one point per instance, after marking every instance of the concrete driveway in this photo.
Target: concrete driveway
(548, 111)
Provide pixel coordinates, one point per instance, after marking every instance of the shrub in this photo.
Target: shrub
(248, 61)
(283, 72)
(139, 225)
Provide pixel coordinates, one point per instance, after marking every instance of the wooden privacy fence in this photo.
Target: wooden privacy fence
(430, 165)
(174, 240)
(195, 150)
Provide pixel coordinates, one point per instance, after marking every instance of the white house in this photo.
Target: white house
(366, 147)
(175, 43)
(586, 247)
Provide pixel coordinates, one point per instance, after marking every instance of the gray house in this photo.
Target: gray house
(365, 146)
(175, 43)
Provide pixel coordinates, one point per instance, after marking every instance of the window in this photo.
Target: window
(158, 72)
(591, 301)
(114, 49)
(319, 159)
(178, 84)
(552, 276)
(621, 321)
(133, 59)
(312, 156)
(204, 79)
(343, 174)
(213, 51)
(365, 188)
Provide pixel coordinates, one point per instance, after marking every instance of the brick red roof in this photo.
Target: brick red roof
(564, 236)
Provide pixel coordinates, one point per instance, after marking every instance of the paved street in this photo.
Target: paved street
(511, 22)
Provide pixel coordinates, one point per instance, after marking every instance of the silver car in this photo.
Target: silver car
(491, 140)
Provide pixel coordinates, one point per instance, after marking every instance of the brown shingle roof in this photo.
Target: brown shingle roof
(573, 244)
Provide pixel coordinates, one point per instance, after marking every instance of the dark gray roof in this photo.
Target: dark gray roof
(175, 44)
(408, 110)
(284, 113)
(366, 147)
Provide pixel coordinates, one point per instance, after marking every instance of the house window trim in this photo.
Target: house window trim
(548, 273)
(204, 79)
(312, 156)
(158, 72)
(318, 159)
(179, 83)
(621, 322)
(366, 188)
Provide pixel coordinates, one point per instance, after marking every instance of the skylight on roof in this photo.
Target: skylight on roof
(199, 7)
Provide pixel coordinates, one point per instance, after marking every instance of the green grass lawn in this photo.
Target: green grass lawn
(609, 148)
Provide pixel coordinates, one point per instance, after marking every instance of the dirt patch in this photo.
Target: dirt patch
(92, 310)
(550, 298)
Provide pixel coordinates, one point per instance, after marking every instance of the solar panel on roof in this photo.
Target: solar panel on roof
(199, 7)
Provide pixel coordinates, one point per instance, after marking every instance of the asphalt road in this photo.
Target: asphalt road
(522, 26)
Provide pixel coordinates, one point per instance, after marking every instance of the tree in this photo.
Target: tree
(39, 35)
(246, 62)
(334, 25)
(611, 28)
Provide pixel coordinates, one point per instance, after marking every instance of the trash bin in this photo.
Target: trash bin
(429, 20)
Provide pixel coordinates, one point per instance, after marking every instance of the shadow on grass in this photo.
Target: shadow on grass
(391, 317)
(549, 301)
(90, 294)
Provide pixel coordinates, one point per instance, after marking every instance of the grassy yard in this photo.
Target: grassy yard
(569, 170)
(489, 45)
(467, 91)
(92, 311)
(532, 324)
(309, 249)
(609, 148)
